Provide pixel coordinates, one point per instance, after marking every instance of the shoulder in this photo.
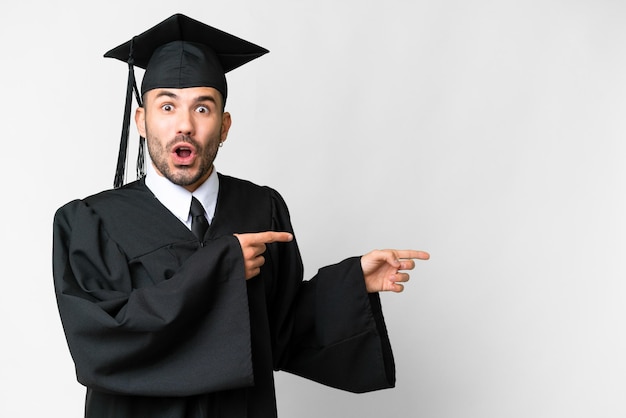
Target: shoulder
(129, 194)
(250, 199)
(242, 184)
(130, 216)
(246, 189)
(130, 199)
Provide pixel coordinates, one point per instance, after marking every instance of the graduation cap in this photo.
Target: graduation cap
(179, 52)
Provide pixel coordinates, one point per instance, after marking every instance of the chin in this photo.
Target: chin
(183, 177)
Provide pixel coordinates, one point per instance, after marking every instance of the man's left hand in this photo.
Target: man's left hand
(385, 270)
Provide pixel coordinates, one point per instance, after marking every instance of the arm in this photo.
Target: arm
(331, 329)
(340, 336)
(154, 339)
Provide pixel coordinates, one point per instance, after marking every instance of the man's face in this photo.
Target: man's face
(183, 129)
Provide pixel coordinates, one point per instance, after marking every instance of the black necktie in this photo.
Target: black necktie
(199, 224)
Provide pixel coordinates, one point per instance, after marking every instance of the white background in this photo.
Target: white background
(490, 133)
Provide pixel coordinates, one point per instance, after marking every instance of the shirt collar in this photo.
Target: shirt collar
(178, 199)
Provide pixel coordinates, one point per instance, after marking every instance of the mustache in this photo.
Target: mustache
(182, 138)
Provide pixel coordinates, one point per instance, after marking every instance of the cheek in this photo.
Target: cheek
(157, 128)
(154, 139)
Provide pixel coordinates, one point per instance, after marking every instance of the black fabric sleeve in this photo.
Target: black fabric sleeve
(172, 338)
(331, 331)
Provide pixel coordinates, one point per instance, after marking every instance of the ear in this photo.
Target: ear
(140, 121)
(226, 122)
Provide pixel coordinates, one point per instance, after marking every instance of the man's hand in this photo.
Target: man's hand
(253, 247)
(383, 268)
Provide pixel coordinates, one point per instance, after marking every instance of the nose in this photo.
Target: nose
(185, 124)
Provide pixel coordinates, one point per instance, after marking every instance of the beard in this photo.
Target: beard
(183, 175)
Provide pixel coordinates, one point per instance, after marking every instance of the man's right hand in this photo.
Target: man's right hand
(253, 247)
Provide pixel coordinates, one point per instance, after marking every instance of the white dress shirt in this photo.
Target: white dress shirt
(178, 199)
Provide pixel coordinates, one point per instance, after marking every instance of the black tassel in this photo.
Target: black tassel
(121, 157)
(141, 159)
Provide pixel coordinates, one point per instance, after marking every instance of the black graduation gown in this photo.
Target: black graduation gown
(161, 325)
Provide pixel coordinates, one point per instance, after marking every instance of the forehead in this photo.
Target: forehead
(189, 94)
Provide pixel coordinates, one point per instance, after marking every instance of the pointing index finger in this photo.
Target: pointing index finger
(274, 236)
(413, 254)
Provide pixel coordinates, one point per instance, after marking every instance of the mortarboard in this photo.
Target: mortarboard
(179, 52)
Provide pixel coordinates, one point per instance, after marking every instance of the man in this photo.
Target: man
(181, 293)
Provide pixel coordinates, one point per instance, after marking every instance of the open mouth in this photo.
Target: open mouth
(183, 154)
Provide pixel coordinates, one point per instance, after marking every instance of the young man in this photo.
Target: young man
(181, 293)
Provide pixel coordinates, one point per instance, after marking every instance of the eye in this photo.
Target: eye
(167, 107)
(202, 109)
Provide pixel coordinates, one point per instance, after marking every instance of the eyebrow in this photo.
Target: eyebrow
(206, 98)
(166, 93)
